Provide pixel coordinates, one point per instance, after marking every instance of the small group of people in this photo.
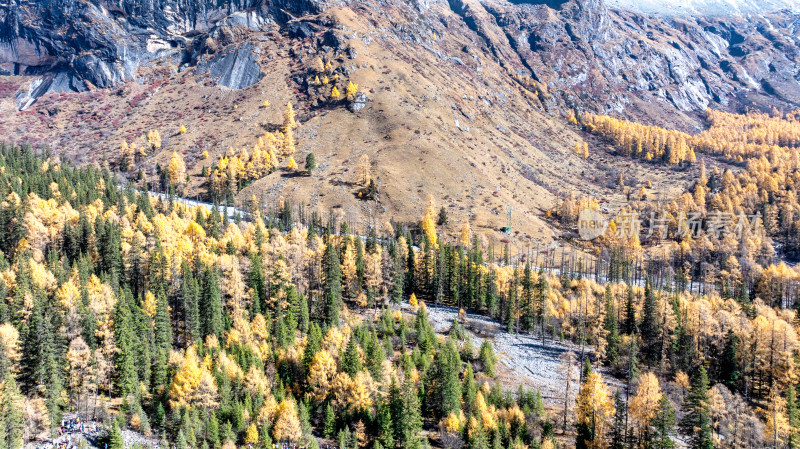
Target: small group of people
(70, 432)
(75, 425)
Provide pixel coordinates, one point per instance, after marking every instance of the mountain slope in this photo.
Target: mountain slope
(466, 99)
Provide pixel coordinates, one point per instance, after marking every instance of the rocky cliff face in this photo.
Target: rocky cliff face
(75, 44)
(619, 61)
(585, 54)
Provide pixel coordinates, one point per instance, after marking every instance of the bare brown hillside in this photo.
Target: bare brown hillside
(450, 115)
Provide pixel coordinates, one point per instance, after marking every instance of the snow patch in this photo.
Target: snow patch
(705, 7)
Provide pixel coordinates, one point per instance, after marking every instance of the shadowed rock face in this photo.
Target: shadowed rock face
(105, 42)
(235, 68)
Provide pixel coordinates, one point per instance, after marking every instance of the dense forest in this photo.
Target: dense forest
(278, 325)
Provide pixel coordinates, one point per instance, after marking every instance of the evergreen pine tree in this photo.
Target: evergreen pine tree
(649, 327)
(303, 318)
(374, 355)
(398, 279)
(313, 344)
(163, 340)
(11, 418)
(618, 429)
(385, 426)
(630, 314)
(212, 304)
(180, 441)
(329, 422)
(696, 421)
(446, 386)
(611, 326)
(664, 424)
(351, 363)
(255, 280)
(478, 439)
(332, 285)
(487, 357)
(191, 312)
(469, 389)
(411, 420)
(411, 267)
(115, 439)
(125, 359)
(729, 372)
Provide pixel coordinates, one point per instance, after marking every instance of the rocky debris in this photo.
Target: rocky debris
(132, 439)
(358, 103)
(524, 359)
(235, 68)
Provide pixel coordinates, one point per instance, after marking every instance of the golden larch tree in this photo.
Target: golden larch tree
(176, 170)
(466, 234)
(288, 117)
(428, 224)
(287, 425)
(288, 146)
(351, 90)
(645, 403)
(595, 408)
(154, 140)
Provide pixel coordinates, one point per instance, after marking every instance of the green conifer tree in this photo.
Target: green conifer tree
(385, 425)
(313, 345)
(664, 425)
(793, 414)
(619, 430)
(446, 385)
(696, 421)
(729, 373)
(629, 327)
(332, 285)
(611, 326)
(212, 304)
(329, 422)
(487, 358)
(11, 417)
(649, 327)
(351, 363)
(115, 439)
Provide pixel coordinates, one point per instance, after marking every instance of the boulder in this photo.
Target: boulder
(358, 102)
